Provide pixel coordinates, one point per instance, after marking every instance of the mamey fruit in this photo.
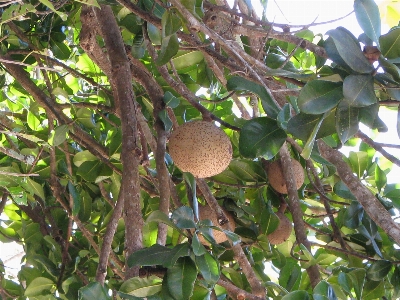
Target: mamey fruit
(206, 212)
(201, 148)
(277, 180)
(282, 233)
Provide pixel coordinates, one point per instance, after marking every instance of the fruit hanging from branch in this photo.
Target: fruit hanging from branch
(277, 180)
(201, 148)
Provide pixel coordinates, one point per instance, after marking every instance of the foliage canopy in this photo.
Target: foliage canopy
(90, 93)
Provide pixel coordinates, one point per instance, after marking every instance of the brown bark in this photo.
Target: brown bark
(295, 209)
(369, 202)
(120, 78)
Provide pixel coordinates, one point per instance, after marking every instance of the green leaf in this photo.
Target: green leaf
(296, 295)
(324, 291)
(346, 121)
(170, 23)
(378, 270)
(290, 276)
(367, 14)
(163, 115)
(350, 51)
(358, 279)
(33, 121)
(261, 137)
(237, 83)
(183, 217)
(359, 162)
(141, 287)
(247, 170)
(197, 246)
(358, 90)
(353, 215)
(76, 196)
(40, 286)
(60, 50)
(89, 2)
(209, 268)
(14, 12)
(160, 217)
(309, 146)
(89, 170)
(319, 96)
(169, 47)
(83, 156)
(186, 59)
(170, 100)
(390, 44)
(58, 135)
(93, 290)
(181, 278)
(154, 34)
(374, 290)
(85, 117)
(155, 255)
(33, 187)
(269, 221)
(380, 178)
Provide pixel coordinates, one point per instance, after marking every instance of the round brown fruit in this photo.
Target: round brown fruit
(277, 180)
(282, 233)
(206, 212)
(201, 148)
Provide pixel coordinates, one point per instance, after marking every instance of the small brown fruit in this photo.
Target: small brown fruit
(206, 212)
(277, 180)
(282, 233)
(201, 148)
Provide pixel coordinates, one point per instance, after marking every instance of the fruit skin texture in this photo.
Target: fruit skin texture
(206, 212)
(201, 148)
(282, 233)
(277, 180)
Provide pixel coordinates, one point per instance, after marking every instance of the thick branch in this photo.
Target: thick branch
(295, 209)
(370, 203)
(126, 106)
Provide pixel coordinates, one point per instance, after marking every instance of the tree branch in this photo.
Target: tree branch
(371, 205)
(120, 78)
(295, 209)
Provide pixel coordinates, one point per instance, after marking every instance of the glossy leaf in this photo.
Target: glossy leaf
(158, 255)
(379, 269)
(241, 84)
(209, 268)
(350, 51)
(181, 278)
(373, 290)
(169, 47)
(390, 44)
(359, 162)
(367, 14)
(141, 287)
(93, 290)
(319, 96)
(296, 295)
(346, 121)
(290, 276)
(269, 221)
(302, 125)
(380, 178)
(183, 217)
(261, 137)
(324, 291)
(39, 286)
(358, 90)
(59, 135)
(77, 199)
(358, 280)
(170, 23)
